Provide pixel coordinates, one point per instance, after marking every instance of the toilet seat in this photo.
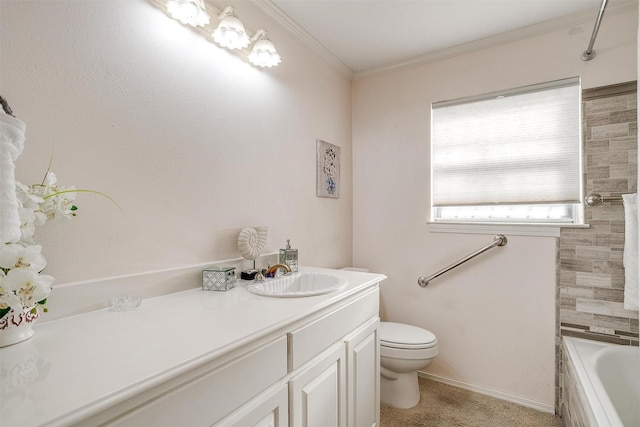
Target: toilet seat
(407, 347)
(405, 337)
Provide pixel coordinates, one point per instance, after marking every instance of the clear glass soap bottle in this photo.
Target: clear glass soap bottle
(289, 256)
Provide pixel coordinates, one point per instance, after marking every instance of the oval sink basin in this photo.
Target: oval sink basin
(297, 285)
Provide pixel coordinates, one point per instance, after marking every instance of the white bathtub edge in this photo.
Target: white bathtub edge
(543, 407)
(599, 405)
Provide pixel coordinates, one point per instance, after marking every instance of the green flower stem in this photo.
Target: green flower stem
(44, 178)
(82, 191)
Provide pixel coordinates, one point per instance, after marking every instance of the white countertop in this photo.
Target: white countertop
(77, 366)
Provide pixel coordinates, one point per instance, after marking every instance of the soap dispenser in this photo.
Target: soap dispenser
(289, 256)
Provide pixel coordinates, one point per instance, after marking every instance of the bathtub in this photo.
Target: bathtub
(600, 384)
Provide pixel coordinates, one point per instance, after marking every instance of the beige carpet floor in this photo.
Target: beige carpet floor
(442, 405)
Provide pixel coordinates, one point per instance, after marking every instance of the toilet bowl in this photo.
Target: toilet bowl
(404, 350)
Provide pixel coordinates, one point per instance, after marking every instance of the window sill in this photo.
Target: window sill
(545, 230)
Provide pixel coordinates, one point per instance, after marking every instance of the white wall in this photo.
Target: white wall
(495, 316)
(191, 141)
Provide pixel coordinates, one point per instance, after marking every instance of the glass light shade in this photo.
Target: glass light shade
(231, 34)
(190, 12)
(264, 54)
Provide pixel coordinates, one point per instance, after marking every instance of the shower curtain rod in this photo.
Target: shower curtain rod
(588, 54)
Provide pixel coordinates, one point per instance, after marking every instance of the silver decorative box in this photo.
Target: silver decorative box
(219, 279)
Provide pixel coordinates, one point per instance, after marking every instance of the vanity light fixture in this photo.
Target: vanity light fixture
(264, 53)
(190, 12)
(230, 32)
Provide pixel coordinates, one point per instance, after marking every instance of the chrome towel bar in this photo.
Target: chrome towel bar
(595, 199)
(498, 240)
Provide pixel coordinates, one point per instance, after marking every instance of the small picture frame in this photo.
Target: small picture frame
(327, 170)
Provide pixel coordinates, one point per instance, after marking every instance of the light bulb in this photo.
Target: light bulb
(264, 54)
(190, 12)
(230, 32)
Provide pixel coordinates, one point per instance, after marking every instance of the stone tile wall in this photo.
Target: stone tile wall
(591, 273)
(572, 408)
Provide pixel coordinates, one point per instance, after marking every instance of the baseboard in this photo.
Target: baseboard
(543, 407)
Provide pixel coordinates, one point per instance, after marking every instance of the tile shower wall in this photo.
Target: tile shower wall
(591, 273)
(591, 282)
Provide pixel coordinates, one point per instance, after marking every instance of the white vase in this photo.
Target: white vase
(16, 327)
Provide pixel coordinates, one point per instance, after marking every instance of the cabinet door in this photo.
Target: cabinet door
(318, 392)
(363, 376)
(270, 409)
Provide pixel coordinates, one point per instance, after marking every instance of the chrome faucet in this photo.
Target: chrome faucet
(274, 268)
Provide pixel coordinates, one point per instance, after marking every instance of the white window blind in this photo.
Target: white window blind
(521, 146)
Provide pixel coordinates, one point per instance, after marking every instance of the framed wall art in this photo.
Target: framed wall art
(327, 170)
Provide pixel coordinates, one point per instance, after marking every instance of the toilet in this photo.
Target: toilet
(404, 350)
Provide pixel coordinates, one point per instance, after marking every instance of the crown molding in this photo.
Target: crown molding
(271, 9)
(613, 8)
(567, 21)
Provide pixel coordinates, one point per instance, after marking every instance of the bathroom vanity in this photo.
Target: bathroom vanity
(201, 358)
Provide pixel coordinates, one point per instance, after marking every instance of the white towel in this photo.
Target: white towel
(631, 295)
(11, 144)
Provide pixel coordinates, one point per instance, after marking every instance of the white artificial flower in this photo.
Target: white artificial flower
(29, 286)
(47, 201)
(10, 300)
(17, 257)
(50, 179)
(7, 298)
(21, 284)
(27, 196)
(27, 225)
(64, 203)
(57, 201)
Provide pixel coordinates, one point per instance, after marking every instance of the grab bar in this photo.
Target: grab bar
(498, 240)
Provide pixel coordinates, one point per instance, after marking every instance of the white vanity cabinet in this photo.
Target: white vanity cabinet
(318, 393)
(341, 387)
(265, 362)
(203, 397)
(322, 371)
(363, 376)
(334, 369)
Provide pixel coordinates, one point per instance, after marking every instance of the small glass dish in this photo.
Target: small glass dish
(128, 303)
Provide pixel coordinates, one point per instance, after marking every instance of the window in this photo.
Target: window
(509, 157)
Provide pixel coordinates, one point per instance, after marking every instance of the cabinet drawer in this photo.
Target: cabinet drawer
(207, 399)
(310, 340)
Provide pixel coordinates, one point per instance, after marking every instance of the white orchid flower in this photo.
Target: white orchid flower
(17, 257)
(57, 201)
(27, 196)
(21, 284)
(10, 300)
(50, 179)
(29, 286)
(27, 225)
(64, 203)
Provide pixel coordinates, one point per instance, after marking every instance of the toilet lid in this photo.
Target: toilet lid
(399, 335)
